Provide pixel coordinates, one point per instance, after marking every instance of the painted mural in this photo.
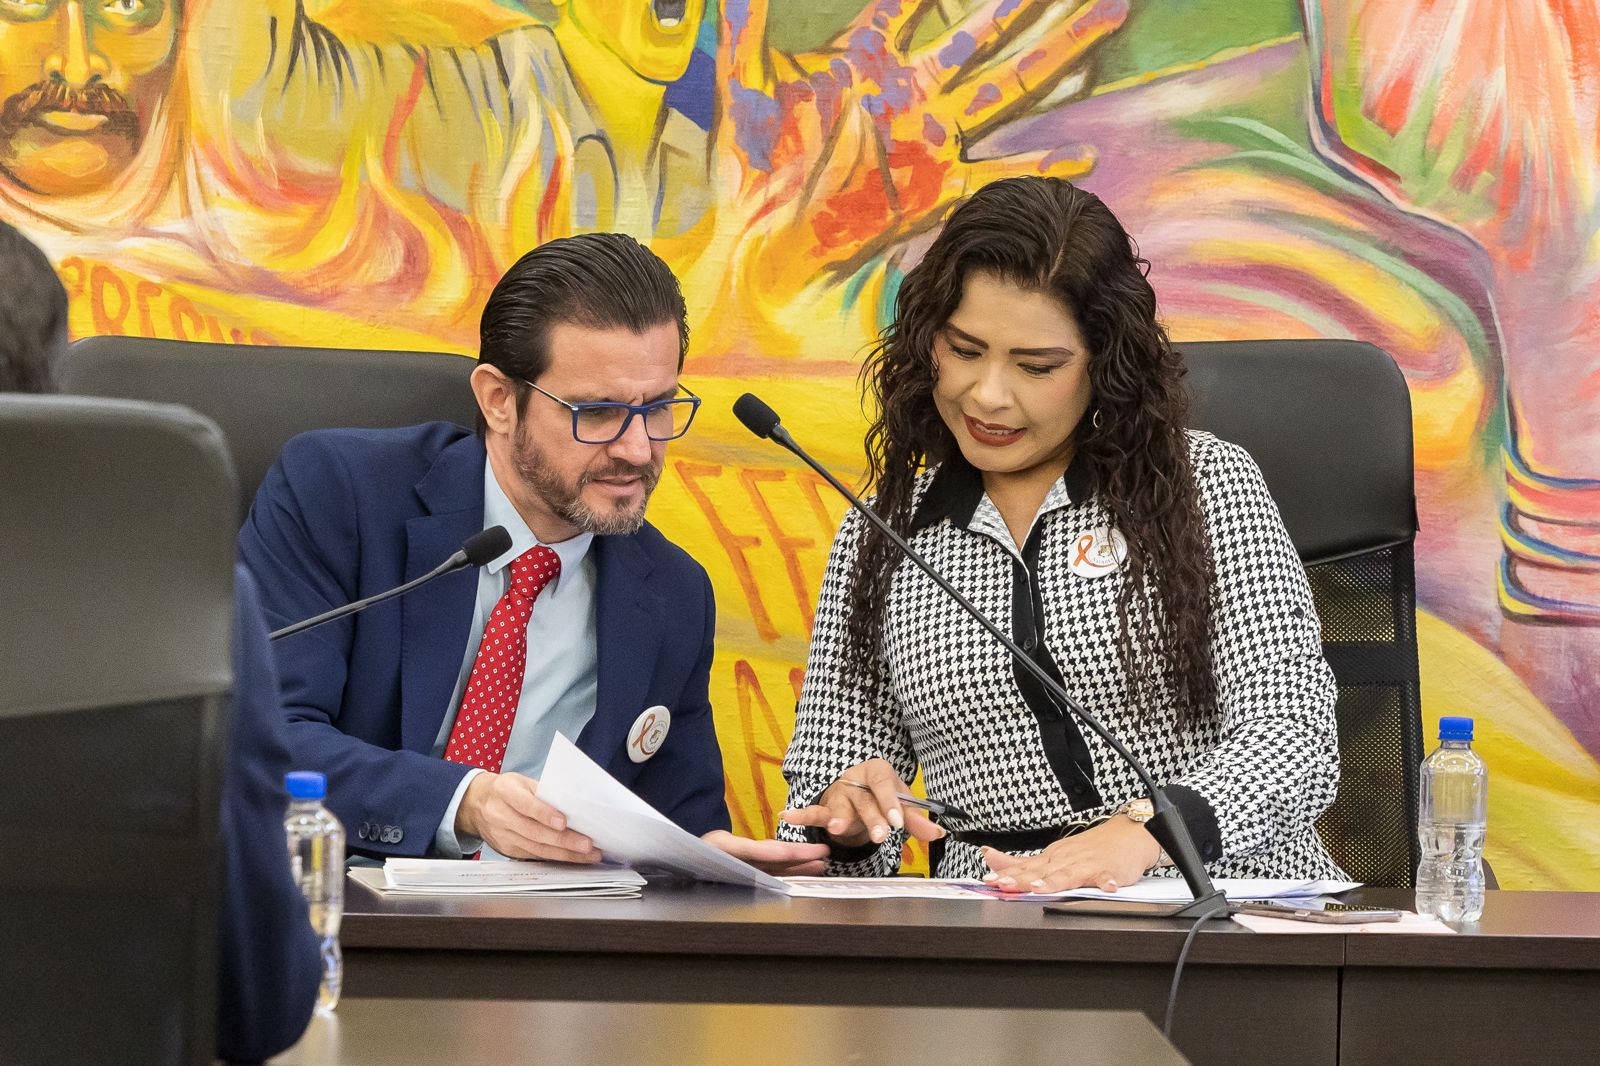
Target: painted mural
(1423, 175)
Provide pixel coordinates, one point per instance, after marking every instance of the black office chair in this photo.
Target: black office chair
(262, 396)
(1329, 423)
(116, 576)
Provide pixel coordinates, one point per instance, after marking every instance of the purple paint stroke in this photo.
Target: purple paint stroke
(828, 86)
(986, 96)
(933, 132)
(959, 50)
(737, 12)
(1067, 152)
(883, 11)
(873, 63)
(1031, 59)
(755, 125)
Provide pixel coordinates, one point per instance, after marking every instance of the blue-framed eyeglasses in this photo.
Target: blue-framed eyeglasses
(602, 422)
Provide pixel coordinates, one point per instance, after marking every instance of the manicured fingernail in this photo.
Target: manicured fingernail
(1008, 882)
(896, 819)
(991, 876)
(1035, 884)
(1111, 885)
(880, 833)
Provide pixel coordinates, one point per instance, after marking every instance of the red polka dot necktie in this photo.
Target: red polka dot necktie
(489, 706)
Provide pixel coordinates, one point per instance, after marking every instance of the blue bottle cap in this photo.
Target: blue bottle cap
(310, 785)
(1455, 728)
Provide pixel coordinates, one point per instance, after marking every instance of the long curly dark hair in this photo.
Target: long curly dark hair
(1047, 235)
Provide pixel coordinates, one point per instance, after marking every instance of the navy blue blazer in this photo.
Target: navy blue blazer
(345, 514)
(268, 961)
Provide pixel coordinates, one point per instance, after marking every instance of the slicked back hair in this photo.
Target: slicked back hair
(599, 280)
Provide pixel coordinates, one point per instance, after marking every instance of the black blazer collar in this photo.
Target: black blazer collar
(957, 487)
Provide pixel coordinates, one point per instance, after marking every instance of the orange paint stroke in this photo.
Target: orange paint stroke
(732, 543)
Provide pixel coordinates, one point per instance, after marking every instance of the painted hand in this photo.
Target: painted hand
(850, 150)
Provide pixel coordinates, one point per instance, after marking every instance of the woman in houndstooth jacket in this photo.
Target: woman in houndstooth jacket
(1030, 443)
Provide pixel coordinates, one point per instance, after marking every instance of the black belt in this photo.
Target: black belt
(1007, 840)
(1012, 840)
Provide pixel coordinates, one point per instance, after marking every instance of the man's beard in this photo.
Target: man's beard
(565, 500)
(22, 108)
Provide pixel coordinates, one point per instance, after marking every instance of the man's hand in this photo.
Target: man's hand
(853, 815)
(505, 812)
(777, 857)
(1112, 854)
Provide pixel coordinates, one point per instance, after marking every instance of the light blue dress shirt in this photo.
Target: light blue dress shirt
(558, 684)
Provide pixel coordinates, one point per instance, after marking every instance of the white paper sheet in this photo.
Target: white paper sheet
(628, 830)
(595, 882)
(453, 873)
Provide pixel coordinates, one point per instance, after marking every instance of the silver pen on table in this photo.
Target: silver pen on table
(932, 806)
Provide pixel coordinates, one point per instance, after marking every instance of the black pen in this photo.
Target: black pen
(943, 810)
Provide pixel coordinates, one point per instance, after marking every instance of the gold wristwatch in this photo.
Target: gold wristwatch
(1141, 810)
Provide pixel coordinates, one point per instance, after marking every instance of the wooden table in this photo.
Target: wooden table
(1245, 998)
(1521, 985)
(409, 1032)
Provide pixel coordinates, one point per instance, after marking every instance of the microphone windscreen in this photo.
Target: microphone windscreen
(757, 417)
(486, 545)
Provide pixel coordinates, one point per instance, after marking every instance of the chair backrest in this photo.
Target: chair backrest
(1329, 424)
(116, 576)
(262, 396)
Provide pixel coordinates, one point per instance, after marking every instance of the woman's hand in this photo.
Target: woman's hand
(1112, 854)
(852, 815)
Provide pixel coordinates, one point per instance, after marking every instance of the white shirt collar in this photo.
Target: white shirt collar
(986, 518)
(499, 511)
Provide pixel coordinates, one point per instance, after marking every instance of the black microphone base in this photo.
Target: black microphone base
(1211, 905)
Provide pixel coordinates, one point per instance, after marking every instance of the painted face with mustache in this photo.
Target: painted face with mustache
(80, 82)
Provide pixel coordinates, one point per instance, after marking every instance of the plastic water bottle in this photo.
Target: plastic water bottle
(316, 856)
(1451, 824)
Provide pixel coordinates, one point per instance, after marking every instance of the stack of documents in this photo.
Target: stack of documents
(434, 877)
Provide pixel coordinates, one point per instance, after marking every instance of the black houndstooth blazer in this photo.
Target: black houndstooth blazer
(947, 699)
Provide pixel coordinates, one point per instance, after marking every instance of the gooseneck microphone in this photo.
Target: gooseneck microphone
(480, 548)
(1167, 825)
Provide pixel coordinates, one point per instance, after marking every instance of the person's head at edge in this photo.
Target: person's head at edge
(1027, 337)
(591, 318)
(33, 315)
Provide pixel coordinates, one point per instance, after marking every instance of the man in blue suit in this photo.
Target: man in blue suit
(432, 714)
